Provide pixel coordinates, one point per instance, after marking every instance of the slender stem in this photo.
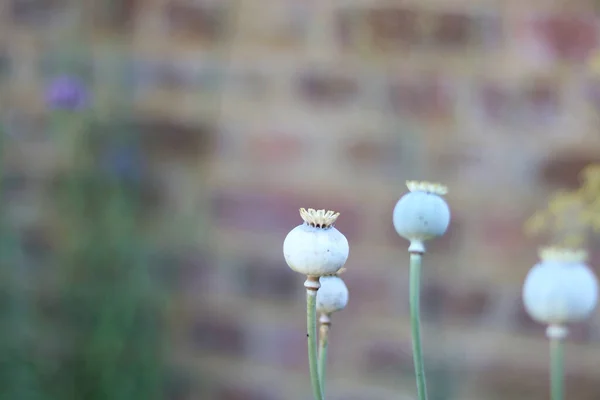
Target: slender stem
(323, 344)
(415, 323)
(557, 357)
(312, 285)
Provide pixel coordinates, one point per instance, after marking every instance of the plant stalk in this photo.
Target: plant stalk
(323, 345)
(312, 285)
(557, 358)
(415, 323)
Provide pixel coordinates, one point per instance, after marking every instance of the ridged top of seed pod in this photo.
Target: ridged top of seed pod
(338, 273)
(319, 218)
(428, 187)
(563, 254)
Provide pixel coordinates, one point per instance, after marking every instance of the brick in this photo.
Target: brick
(591, 92)
(202, 22)
(215, 335)
(567, 37)
(184, 270)
(279, 345)
(453, 29)
(388, 358)
(37, 12)
(346, 21)
(562, 170)
(176, 139)
(542, 99)
(511, 381)
(426, 97)
(277, 212)
(392, 27)
(502, 232)
(582, 385)
(114, 15)
(327, 88)
(276, 148)
(241, 392)
(441, 301)
(496, 102)
(368, 291)
(269, 280)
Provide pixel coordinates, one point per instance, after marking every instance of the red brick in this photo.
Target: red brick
(568, 37)
(280, 345)
(453, 29)
(114, 15)
(496, 102)
(196, 21)
(562, 170)
(277, 212)
(35, 13)
(217, 335)
(346, 21)
(591, 91)
(176, 139)
(185, 270)
(542, 101)
(502, 232)
(388, 358)
(421, 97)
(276, 148)
(393, 27)
(582, 385)
(368, 291)
(326, 88)
(511, 381)
(269, 280)
(468, 304)
(233, 391)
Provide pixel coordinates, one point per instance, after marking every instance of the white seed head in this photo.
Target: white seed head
(422, 214)
(560, 289)
(333, 294)
(316, 247)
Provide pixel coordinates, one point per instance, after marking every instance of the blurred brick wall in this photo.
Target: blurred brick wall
(267, 106)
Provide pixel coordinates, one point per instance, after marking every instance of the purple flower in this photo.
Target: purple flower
(67, 93)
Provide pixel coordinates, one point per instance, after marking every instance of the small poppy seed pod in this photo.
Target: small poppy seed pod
(561, 288)
(421, 214)
(316, 247)
(333, 294)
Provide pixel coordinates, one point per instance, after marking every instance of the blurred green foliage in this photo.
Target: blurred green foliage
(104, 338)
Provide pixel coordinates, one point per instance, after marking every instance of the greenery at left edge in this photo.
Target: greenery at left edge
(103, 337)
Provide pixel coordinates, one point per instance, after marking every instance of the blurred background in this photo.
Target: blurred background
(154, 154)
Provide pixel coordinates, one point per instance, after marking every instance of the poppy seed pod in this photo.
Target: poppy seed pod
(316, 247)
(561, 288)
(333, 294)
(422, 214)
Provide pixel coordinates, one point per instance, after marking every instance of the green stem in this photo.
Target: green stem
(323, 344)
(415, 324)
(557, 357)
(311, 323)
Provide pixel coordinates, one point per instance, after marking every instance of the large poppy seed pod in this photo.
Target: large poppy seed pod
(422, 214)
(316, 247)
(561, 288)
(333, 294)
